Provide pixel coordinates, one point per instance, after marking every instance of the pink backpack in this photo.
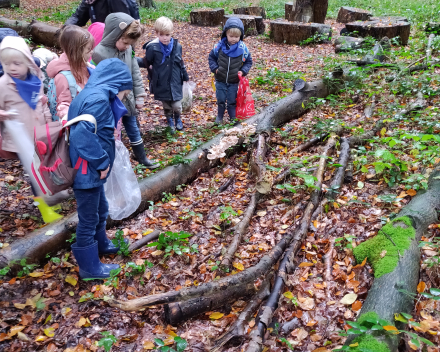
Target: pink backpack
(51, 166)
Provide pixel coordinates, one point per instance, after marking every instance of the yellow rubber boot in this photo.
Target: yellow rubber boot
(47, 212)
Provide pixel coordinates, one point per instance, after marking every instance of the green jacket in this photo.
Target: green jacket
(106, 49)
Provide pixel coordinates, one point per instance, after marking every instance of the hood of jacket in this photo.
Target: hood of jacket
(233, 22)
(7, 32)
(97, 31)
(19, 44)
(56, 66)
(115, 23)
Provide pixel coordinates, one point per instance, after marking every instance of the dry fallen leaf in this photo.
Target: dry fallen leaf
(348, 299)
(216, 315)
(411, 192)
(36, 274)
(304, 264)
(421, 287)
(148, 345)
(71, 280)
(308, 304)
(238, 266)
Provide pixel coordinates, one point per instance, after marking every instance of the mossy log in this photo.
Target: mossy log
(39, 32)
(380, 27)
(397, 272)
(253, 25)
(282, 31)
(207, 17)
(9, 3)
(37, 244)
(251, 11)
(348, 14)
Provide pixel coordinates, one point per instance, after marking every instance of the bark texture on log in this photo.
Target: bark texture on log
(379, 27)
(9, 3)
(348, 14)
(282, 31)
(288, 10)
(176, 313)
(39, 32)
(306, 11)
(146, 3)
(166, 180)
(384, 297)
(253, 25)
(206, 17)
(251, 11)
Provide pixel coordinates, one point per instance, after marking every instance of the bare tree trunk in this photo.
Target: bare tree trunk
(308, 11)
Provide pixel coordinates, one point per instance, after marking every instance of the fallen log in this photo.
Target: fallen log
(345, 43)
(379, 27)
(253, 25)
(40, 33)
(207, 17)
(349, 14)
(293, 106)
(389, 293)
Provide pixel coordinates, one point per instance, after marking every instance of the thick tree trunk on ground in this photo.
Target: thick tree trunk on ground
(306, 11)
(251, 11)
(253, 25)
(166, 180)
(379, 27)
(282, 31)
(39, 32)
(384, 297)
(207, 18)
(9, 3)
(348, 14)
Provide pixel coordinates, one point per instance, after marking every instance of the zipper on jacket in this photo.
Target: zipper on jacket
(227, 73)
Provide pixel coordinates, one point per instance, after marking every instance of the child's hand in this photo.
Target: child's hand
(116, 134)
(240, 74)
(104, 173)
(216, 71)
(4, 115)
(139, 106)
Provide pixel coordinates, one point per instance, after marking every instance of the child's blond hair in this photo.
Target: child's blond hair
(133, 31)
(235, 32)
(8, 54)
(163, 25)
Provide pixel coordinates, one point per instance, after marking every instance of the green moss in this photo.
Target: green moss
(368, 343)
(373, 248)
(367, 316)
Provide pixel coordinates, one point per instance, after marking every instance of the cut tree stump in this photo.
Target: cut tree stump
(282, 31)
(253, 25)
(251, 11)
(207, 17)
(9, 3)
(308, 11)
(348, 14)
(379, 27)
(40, 33)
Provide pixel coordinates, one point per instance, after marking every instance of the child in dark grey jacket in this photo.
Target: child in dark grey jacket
(167, 72)
(229, 59)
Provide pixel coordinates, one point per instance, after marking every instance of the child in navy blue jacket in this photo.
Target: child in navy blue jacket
(95, 152)
(229, 59)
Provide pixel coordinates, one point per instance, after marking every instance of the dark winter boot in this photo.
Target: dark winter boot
(105, 246)
(220, 113)
(170, 121)
(139, 155)
(178, 120)
(231, 113)
(90, 267)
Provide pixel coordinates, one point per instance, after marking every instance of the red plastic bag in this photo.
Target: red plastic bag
(245, 102)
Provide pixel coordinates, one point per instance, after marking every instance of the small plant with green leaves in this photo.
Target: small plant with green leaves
(435, 246)
(136, 269)
(15, 187)
(181, 344)
(72, 238)
(288, 344)
(315, 39)
(227, 213)
(107, 341)
(119, 241)
(179, 159)
(190, 214)
(345, 242)
(139, 169)
(4, 271)
(167, 197)
(113, 280)
(289, 295)
(174, 242)
(26, 268)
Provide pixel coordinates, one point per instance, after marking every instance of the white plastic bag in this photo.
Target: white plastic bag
(188, 88)
(122, 189)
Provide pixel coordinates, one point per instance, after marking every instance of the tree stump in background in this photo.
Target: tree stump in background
(9, 3)
(253, 25)
(146, 3)
(282, 31)
(207, 17)
(251, 11)
(306, 11)
(350, 14)
(385, 26)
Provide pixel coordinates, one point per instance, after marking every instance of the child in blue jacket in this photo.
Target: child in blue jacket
(95, 154)
(229, 59)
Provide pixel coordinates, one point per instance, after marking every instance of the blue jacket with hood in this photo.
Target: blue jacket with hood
(228, 68)
(109, 78)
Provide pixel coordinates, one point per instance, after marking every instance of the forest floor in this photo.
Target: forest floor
(48, 308)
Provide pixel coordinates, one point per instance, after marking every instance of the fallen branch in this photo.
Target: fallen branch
(141, 242)
(226, 185)
(293, 106)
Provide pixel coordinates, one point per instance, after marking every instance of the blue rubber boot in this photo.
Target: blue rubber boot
(105, 246)
(170, 121)
(90, 267)
(179, 123)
